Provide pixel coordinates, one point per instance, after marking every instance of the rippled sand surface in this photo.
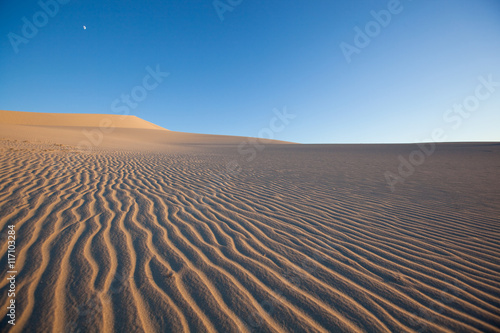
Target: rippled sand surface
(302, 238)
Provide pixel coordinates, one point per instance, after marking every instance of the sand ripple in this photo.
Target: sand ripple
(313, 242)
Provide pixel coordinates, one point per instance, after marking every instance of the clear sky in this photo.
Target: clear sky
(346, 77)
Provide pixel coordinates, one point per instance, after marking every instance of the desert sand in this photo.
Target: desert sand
(130, 227)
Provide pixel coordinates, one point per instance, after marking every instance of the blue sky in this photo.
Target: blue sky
(226, 76)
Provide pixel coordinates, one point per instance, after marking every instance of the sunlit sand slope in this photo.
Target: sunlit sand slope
(74, 119)
(302, 239)
(86, 132)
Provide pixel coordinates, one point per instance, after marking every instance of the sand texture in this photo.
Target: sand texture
(150, 231)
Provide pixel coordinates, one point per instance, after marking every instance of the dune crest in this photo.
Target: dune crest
(100, 131)
(74, 120)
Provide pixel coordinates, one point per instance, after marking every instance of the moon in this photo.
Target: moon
(84, 28)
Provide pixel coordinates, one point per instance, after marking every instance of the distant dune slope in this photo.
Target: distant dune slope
(98, 131)
(74, 120)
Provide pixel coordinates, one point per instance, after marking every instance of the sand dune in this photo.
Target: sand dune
(87, 132)
(74, 120)
(150, 232)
